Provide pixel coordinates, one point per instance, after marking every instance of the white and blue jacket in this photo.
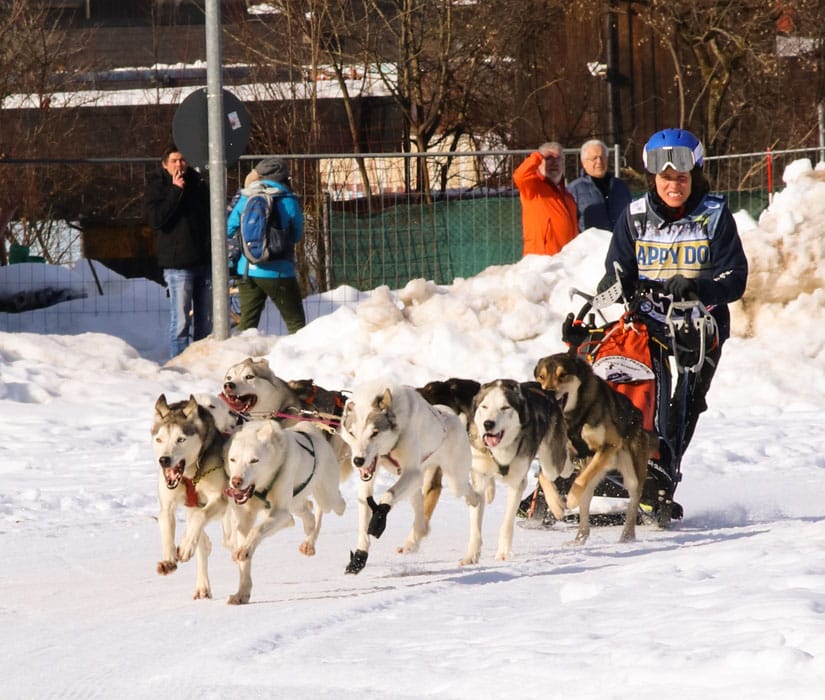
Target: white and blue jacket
(702, 245)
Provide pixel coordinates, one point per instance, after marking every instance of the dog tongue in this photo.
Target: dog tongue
(235, 403)
(492, 440)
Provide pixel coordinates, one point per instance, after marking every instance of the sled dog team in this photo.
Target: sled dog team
(266, 450)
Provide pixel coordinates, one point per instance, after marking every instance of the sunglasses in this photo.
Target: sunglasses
(680, 158)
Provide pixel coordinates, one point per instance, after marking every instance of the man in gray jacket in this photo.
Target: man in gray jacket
(600, 197)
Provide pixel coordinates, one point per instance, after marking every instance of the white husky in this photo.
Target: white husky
(275, 471)
(190, 452)
(394, 427)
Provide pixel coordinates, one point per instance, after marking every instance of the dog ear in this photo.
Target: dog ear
(263, 368)
(560, 371)
(161, 406)
(267, 430)
(386, 400)
(191, 407)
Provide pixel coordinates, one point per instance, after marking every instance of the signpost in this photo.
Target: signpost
(211, 128)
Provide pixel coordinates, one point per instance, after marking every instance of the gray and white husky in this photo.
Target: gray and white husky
(513, 423)
(189, 451)
(251, 388)
(392, 426)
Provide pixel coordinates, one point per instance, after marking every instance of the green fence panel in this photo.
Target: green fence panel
(438, 241)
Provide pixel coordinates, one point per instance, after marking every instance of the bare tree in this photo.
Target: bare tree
(37, 71)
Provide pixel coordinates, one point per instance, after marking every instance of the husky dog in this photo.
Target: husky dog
(606, 427)
(226, 419)
(275, 471)
(513, 423)
(252, 388)
(456, 394)
(395, 427)
(190, 453)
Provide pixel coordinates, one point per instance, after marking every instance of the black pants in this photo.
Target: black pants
(678, 411)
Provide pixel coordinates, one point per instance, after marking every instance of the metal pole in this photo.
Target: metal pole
(217, 171)
(614, 114)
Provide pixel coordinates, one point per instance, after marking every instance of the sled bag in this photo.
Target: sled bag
(622, 358)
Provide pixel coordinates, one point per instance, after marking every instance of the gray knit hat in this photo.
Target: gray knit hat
(275, 169)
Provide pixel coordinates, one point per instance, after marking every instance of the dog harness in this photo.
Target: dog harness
(191, 493)
(192, 500)
(263, 493)
(327, 421)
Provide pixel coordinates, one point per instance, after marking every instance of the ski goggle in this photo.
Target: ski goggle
(680, 158)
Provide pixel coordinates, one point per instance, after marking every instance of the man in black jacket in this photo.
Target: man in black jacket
(176, 205)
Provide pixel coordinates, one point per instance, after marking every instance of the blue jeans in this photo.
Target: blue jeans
(189, 288)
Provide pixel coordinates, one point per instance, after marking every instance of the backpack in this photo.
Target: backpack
(263, 236)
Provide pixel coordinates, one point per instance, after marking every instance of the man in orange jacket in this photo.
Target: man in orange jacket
(548, 211)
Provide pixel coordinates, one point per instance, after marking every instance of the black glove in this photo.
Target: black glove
(378, 521)
(680, 287)
(605, 283)
(573, 332)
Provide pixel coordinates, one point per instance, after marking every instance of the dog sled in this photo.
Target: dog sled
(652, 353)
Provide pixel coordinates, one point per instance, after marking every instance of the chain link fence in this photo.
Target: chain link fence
(371, 220)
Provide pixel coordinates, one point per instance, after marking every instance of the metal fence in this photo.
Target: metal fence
(438, 216)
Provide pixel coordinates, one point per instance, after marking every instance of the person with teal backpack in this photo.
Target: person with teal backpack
(268, 208)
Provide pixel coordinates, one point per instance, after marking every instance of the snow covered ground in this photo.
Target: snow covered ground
(730, 603)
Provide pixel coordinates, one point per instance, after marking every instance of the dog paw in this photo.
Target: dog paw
(357, 561)
(557, 509)
(407, 548)
(628, 537)
(185, 552)
(241, 554)
(166, 567)
(307, 548)
(503, 555)
(378, 521)
(238, 599)
(574, 495)
(470, 559)
(579, 539)
(202, 593)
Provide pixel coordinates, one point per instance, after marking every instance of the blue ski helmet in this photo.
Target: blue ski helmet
(675, 148)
